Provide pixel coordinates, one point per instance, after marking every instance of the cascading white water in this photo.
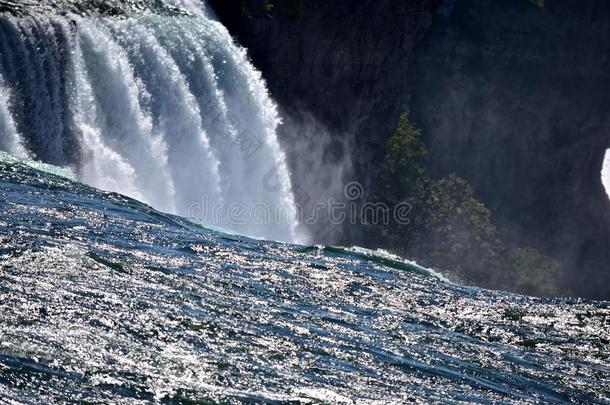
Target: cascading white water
(167, 110)
(10, 140)
(606, 173)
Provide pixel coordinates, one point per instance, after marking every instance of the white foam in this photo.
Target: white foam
(384, 254)
(65, 172)
(10, 139)
(606, 173)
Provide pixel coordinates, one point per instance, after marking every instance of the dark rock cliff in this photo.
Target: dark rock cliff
(511, 96)
(515, 98)
(339, 60)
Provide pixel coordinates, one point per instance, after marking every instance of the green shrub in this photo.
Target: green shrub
(451, 229)
(455, 231)
(403, 170)
(533, 273)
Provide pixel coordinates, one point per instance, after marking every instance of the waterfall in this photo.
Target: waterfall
(10, 140)
(165, 109)
(606, 172)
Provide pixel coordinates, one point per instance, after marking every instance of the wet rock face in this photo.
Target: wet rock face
(515, 98)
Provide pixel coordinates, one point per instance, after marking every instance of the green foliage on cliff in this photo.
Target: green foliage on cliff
(450, 228)
(534, 273)
(539, 3)
(404, 167)
(450, 203)
(456, 230)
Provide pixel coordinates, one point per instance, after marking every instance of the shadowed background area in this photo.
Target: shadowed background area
(510, 95)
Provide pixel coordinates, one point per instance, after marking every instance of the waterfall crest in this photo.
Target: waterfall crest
(165, 109)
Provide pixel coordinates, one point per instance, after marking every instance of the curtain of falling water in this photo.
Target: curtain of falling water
(164, 109)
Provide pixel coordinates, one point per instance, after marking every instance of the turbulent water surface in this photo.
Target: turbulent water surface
(104, 299)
